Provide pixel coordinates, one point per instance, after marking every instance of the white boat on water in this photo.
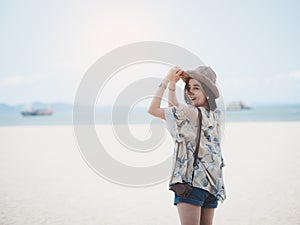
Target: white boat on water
(237, 105)
(30, 111)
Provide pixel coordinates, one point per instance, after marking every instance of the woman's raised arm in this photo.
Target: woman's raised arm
(155, 107)
(172, 98)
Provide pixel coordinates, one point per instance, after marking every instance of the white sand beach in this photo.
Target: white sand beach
(44, 180)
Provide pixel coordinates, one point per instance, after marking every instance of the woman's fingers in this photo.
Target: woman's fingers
(179, 71)
(175, 73)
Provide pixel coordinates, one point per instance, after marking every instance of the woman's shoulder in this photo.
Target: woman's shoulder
(216, 111)
(180, 107)
(190, 112)
(211, 116)
(187, 108)
(182, 111)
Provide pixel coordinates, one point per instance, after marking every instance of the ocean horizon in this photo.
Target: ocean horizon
(63, 115)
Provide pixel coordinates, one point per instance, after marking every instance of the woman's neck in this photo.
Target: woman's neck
(205, 105)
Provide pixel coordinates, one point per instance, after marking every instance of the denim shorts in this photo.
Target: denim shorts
(199, 197)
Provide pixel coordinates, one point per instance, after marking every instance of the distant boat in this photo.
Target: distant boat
(30, 111)
(237, 105)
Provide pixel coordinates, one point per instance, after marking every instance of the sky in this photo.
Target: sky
(47, 46)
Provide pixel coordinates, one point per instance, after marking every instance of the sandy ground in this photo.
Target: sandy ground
(44, 180)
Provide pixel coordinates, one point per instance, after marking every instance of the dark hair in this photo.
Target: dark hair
(208, 93)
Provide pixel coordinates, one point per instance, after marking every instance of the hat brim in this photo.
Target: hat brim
(202, 79)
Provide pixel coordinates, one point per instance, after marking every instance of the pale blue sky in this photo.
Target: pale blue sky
(47, 46)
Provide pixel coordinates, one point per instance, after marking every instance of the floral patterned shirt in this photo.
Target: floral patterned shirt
(182, 123)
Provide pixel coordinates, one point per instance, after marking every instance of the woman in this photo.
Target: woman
(205, 175)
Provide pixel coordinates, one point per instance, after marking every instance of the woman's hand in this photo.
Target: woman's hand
(174, 74)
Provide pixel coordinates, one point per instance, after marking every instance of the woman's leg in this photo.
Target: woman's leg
(207, 215)
(189, 214)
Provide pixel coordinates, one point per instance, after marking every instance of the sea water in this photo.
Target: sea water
(65, 117)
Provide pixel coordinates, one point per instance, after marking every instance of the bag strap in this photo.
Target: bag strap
(198, 137)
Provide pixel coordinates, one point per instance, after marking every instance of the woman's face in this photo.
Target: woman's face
(195, 93)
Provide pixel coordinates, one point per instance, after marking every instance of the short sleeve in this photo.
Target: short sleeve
(171, 121)
(174, 117)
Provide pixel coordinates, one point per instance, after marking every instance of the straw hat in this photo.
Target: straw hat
(205, 75)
